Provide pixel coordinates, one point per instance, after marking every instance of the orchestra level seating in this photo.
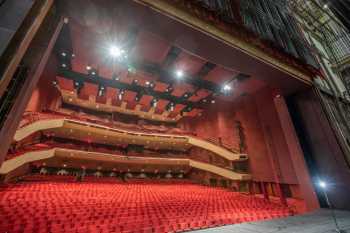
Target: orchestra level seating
(57, 204)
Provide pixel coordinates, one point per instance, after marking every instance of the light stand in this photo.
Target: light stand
(323, 186)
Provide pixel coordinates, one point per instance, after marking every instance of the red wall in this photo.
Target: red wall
(45, 95)
(266, 145)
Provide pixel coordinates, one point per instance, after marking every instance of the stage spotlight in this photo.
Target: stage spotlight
(179, 73)
(227, 87)
(322, 184)
(115, 77)
(115, 51)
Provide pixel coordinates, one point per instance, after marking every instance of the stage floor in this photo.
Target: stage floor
(316, 222)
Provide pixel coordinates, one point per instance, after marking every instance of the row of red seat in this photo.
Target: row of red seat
(143, 206)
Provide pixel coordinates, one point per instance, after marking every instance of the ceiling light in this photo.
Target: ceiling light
(322, 184)
(325, 6)
(115, 51)
(213, 101)
(179, 73)
(63, 54)
(64, 65)
(93, 73)
(88, 67)
(115, 77)
(147, 83)
(73, 55)
(227, 87)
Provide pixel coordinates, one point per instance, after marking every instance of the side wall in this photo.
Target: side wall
(265, 143)
(45, 94)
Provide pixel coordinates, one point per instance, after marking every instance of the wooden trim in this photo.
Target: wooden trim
(14, 163)
(114, 134)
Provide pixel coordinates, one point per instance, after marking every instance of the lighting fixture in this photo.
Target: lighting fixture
(322, 184)
(88, 67)
(179, 73)
(213, 101)
(115, 77)
(115, 51)
(227, 87)
(64, 65)
(63, 54)
(154, 103)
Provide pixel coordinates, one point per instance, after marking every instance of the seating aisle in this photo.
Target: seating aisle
(62, 205)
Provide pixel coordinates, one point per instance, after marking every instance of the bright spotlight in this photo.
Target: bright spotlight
(115, 51)
(227, 87)
(179, 73)
(322, 184)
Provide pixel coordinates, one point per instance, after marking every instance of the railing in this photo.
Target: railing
(34, 153)
(30, 117)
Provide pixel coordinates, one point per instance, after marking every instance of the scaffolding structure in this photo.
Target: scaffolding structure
(317, 19)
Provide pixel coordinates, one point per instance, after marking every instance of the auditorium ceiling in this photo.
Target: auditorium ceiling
(109, 62)
(135, 71)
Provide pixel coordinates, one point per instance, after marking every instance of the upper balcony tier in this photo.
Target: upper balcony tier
(62, 126)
